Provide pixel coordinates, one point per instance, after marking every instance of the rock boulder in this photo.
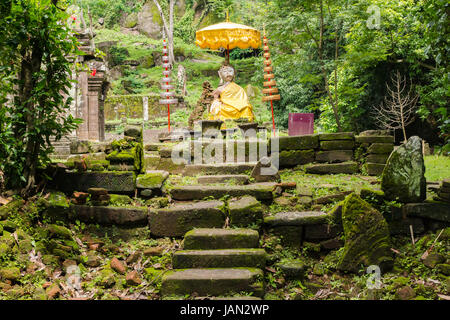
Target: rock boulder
(403, 177)
(367, 240)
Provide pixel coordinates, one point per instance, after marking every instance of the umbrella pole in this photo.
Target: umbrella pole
(273, 118)
(228, 54)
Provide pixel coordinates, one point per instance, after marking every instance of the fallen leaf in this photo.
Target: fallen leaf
(4, 201)
(271, 270)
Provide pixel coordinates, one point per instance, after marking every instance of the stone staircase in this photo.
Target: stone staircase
(217, 262)
(62, 147)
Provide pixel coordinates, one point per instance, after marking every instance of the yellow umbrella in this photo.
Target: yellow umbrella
(228, 35)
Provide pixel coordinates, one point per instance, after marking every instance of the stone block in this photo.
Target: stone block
(114, 182)
(337, 145)
(321, 232)
(223, 258)
(121, 216)
(292, 158)
(335, 168)
(433, 211)
(296, 218)
(291, 236)
(374, 169)
(304, 142)
(245, 212)
(79, 147)
(176, 220)
(377, 158)
(212, 282)
(334, 156)
(228, 178)
(336, 136)
(380, 148)
(152, 179)
(261, 191)
(374, 139)
(207, 239)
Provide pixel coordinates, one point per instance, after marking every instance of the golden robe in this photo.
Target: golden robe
(233, 104)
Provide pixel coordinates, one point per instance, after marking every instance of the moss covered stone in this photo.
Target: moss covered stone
(296, 142)
(292, 158)
(153, 275)
(176, 220)
(119, 199)
(10, 208)
(291, 236)
(259, 191)
(10, 273)
(443, 268)
(59, 231)
(245, 212)
(337, 145)
(380, 148)
(151, 179)
(374, 139)
(333, 168)
(296, 218)
(403, 178)
(121, 182)
(216, 238)
(214, 282)
(336, 136)
(373, 169)
(8, 225)
(334, 156)
(124, 216)
(367, 240)
(157, 203)
(223, 258)
(292, 268)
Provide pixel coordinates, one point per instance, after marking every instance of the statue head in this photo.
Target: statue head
(226, 74)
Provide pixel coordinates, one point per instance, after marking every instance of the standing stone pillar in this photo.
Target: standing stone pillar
(83, 107)
(95, 84)
(145, 108)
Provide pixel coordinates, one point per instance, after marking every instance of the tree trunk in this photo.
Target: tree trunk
(167, 28)
(170, 38)
(333, 102)
(32, 146)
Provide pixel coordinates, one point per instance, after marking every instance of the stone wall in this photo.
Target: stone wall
(132, 107)
(325, 153)
(342, 152)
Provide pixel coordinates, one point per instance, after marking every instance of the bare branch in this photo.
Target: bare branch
(398, 108)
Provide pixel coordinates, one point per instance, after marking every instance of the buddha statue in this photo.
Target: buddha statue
(230, 100)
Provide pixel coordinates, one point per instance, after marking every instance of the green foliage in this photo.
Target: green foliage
(118, 55)
(110, 11)
(35, 67)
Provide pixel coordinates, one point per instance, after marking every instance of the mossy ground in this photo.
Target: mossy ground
(322, 280)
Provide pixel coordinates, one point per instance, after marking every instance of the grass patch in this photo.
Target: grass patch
(437, 168)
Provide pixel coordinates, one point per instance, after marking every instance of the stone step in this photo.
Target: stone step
(180, 218)
(224, 258)
(218, 169)
(203, 238)
(296, 218)
(261, 191)
(121, 216)
(114, 182)
(236, 178)
(334, 168)
(213, 282)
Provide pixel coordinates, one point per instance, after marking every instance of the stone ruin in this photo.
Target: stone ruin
(88, 94)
